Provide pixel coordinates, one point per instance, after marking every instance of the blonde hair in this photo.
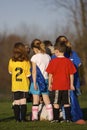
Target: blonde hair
(36, 43)
(68, 44)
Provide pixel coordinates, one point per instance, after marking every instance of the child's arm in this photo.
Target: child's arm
(72, 82)
(34, 75)
(50, 82)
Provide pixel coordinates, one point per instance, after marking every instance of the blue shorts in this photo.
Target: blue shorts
(36, 92)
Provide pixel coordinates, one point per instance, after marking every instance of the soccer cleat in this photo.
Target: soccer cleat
(66, 121)
(54, 121)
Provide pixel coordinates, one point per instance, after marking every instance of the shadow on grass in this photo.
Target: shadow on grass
(7, 118)
(84, 110)
(12, 118)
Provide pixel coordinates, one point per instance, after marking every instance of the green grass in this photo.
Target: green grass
(7, 121)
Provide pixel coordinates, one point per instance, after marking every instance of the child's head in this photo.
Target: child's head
(60, 47)
(49, 47)
(27, 48)
(38, 45)
(19, 52)
(47, 43)
(61, 39)
(67, 43)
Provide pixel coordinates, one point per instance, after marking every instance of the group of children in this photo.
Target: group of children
(53, 76)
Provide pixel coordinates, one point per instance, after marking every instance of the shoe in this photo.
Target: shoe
(25, 120)
(66, 121)
(18, 121)
(61, 121)
(54, 121)
(35, 120)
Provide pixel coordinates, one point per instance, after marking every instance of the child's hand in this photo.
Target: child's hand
(35, 87)
(72, 87)
(50, 88)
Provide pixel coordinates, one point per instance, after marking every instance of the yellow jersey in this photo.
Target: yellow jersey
(20, 75)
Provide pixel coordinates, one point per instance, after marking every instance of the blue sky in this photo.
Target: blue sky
(15, 12)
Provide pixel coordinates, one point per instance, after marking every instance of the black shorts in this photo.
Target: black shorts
(60, 97)
(19, 95)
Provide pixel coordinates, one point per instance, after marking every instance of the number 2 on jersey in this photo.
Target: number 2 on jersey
(19, 72)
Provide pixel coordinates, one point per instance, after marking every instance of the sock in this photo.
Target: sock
(56, 113)
(49, 109)
(23, 112)
(67, 113)
(63, 112)
(35, 112)
(17, 112)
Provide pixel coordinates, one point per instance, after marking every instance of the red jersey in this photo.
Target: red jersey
(61, 68)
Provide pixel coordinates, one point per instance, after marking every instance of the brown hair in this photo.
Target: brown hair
(61, 38)
(19, 52)
(36, 43)
(60, 46)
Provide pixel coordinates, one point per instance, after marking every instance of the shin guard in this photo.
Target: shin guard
(35, 112)
(49, 109)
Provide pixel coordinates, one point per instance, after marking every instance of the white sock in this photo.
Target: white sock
(34, 112)
(49, 111)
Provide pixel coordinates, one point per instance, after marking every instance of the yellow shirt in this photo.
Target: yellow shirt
(20, 72)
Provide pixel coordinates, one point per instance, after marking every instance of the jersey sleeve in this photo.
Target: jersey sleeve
(76, 60)
(10, 66)
(34, 58)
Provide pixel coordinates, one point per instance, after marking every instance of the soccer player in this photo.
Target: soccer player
(39, 84)
(61, 71)
(19, 68)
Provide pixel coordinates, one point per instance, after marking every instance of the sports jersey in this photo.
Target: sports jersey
(77, 62)
(20, 72)
(75, 59)
(61, 68)
(42, 61)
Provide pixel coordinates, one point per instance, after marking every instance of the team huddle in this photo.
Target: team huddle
(50, 76)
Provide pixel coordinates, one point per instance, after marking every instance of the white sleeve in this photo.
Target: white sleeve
(34, 59)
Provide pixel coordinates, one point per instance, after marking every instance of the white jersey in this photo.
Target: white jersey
(42, 61)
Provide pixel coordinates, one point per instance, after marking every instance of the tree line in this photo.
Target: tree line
(77, 18)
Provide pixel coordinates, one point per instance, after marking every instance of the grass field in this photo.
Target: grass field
(7, 121)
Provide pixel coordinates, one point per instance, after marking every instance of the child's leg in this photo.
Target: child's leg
(66, 102)
(35, 112)
(23, 109)
(63, 112)
(49, 107)
(16, 109)
(35, 107)
(67, 112)
(56, 112)
(56, 100)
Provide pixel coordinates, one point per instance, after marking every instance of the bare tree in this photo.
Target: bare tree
(77, 15)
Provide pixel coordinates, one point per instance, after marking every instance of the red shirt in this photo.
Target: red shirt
(61, 68)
